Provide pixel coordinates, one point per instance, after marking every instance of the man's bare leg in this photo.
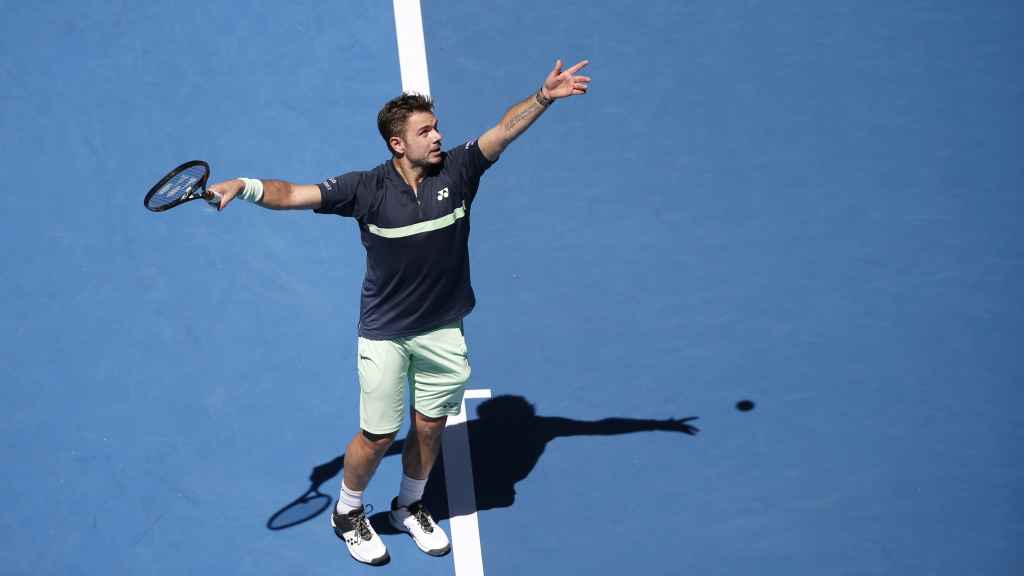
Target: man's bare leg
(362, 457)
(422, 445)
(349, 520)
(407, 511)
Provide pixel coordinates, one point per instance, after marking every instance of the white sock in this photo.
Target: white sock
(349, 499)
(411, 490)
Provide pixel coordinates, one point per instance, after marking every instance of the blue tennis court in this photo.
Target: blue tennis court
(813, 207)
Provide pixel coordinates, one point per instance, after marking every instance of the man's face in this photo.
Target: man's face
(421, 143)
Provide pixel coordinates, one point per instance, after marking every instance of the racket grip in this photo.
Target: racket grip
(213, 199)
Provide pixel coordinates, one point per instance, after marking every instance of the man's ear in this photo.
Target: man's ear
(397, 145)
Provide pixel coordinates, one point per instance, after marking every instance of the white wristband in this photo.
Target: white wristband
(253, 191)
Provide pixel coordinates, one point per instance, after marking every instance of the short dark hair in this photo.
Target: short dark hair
(393, 116)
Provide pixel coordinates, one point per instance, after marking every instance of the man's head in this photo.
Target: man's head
(409, 128)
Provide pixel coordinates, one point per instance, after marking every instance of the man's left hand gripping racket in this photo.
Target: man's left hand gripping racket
(183, 184)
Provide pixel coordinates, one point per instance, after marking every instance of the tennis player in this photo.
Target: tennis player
(413, 213)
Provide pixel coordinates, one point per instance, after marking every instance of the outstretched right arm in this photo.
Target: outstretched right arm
(277, 194)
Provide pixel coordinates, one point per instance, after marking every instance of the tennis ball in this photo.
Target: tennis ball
(744, 405)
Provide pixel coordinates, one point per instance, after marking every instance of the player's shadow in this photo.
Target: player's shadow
(506, 440)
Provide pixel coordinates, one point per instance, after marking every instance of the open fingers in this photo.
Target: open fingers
(578, 66)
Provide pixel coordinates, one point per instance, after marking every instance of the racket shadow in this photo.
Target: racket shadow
(313, 502)
(506, 441)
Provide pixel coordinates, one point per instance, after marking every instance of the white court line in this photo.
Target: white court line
(458, 474)
(458, 470)
(412, 49)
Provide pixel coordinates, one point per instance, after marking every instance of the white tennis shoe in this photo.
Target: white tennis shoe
(417, 522)
(361, 539)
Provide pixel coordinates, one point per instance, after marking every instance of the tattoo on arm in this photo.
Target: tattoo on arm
(516, 120)
(528, 111)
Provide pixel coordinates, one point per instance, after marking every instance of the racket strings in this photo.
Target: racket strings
(177, 187)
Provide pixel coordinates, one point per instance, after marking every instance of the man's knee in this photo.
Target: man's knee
(427, 425)
(378, 443)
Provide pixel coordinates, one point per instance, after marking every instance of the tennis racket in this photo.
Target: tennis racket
(183, 184)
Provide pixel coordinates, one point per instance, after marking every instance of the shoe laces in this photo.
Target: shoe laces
(361, 524)
(422, 517)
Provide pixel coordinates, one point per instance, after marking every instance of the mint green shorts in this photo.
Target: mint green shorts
(435, 365)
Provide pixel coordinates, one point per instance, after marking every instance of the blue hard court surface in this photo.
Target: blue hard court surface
(813, 206)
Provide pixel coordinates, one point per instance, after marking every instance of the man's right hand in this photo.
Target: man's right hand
(227, 190)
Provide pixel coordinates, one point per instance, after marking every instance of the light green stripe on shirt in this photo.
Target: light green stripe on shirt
(420, 227)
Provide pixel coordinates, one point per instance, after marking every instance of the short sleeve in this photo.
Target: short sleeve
(468, 162)
(339, 195)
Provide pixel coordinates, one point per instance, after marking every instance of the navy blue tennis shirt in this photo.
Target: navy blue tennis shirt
(417, 245)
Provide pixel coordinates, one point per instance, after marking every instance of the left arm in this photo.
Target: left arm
(558, 84)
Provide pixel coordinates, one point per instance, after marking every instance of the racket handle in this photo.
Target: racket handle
(213, 199)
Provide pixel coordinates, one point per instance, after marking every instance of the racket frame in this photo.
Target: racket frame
(198, 190)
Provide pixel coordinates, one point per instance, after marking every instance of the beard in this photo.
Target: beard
(430, 159)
